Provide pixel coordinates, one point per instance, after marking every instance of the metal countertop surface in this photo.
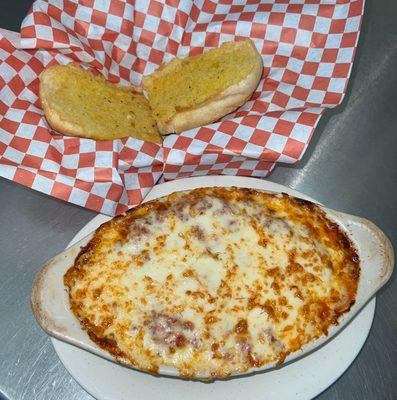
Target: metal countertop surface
(350, 165)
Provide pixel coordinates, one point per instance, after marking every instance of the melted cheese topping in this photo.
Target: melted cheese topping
(213, 281)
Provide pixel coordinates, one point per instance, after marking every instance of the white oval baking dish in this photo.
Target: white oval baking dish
(50, 301)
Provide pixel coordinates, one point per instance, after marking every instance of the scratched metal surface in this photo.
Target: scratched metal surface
(350, 165)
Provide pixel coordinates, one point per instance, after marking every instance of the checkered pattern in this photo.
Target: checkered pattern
(307, 49)
(106, 176)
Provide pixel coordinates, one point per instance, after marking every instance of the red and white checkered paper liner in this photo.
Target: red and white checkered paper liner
(307, 49)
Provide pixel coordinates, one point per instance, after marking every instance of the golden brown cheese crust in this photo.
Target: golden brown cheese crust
(213, 281)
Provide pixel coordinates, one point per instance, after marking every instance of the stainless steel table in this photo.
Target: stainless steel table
(350, 165)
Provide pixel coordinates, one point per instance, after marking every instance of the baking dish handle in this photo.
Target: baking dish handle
(376, 255)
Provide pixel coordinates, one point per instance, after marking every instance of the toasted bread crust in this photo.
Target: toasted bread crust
(64, 126)
(215, 108)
